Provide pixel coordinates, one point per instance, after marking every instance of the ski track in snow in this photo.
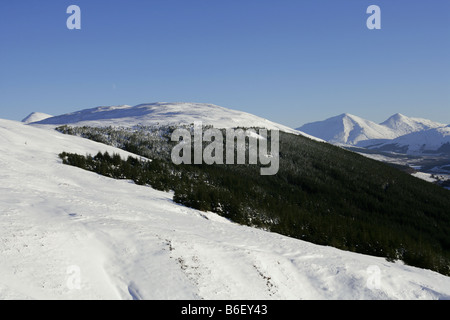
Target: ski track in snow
(72, 234)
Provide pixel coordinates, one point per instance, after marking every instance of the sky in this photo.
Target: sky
(290, 61)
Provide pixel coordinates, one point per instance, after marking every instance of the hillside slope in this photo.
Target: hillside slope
(72, 234)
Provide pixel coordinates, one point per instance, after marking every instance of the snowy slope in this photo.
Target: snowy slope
(71, 234)
(35, 117)
(347, 129)
(165, 113)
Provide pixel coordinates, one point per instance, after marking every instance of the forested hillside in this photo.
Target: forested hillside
(322, 194)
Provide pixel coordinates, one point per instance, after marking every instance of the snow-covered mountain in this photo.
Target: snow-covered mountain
(164, 113)
(430, 141)
(405, 132)
(35, 117)
(72, 234)
(402, 124)
(347, 129)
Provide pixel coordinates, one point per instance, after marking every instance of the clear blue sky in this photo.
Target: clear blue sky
(292, 61)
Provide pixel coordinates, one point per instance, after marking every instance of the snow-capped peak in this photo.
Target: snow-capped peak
(349, 129)
(36, 116)
(165, 113)
(402, 124)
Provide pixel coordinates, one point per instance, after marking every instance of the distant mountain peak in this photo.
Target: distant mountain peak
(394, 120)
(397, 117)
(347, 115)
(35, 117)
(404, 125)
(346, 128)
(349, 129)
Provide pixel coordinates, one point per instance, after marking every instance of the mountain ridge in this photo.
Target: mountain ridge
(346, 129)
(431, 141)
(165, 113)
(350, 130)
